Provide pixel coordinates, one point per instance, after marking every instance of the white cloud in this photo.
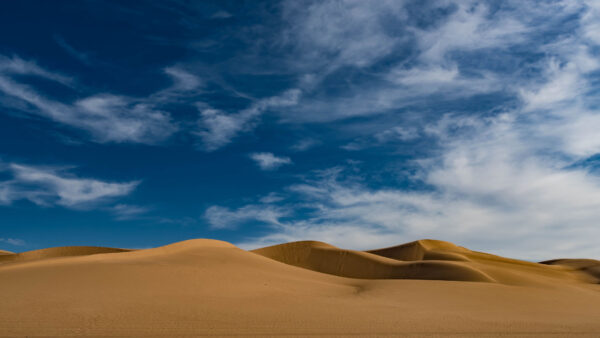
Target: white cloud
(332, 34)
(183, 79)
(52, 186)
(305, 144)
(16, 65)
(397, 133)
(13, 241)
(217, 128)
(272, 198)
(221, 15)
(119, 119)
(591, 21)
(564, 84)
(127, 211)
(469, 28)
(439, 67)
(107, 117)
(79, 55)
(268, 161)
(225, 218)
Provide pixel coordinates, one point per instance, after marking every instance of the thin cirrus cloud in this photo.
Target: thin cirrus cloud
(224, 218)
(125, 212)
(268, 161)
(13, 241)
(47, 186)
(217, 128)
(82, 57)
(106, 117)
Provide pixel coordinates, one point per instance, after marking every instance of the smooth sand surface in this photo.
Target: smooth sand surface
(208, 287)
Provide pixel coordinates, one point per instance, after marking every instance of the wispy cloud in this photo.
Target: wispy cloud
(217, 128)
(18, 66)
(268, 161)
(13, 241)
(327, 35)
(107, 117)
(49, 186)
(224, 218)
(305, 144)
(127, 212)
(221, 15)
(183, 79)
(77, 54)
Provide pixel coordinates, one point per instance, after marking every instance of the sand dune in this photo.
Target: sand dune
(426, 249)
(326, 258)
(424, 259)
(207, 287)
(66, 251)
(4, 252)
(588, 266)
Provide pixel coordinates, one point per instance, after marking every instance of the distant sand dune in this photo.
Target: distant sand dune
(326, 258)
(423, 259)
(588, 266)
(65, 251)
(4, 252)
(426, 249)
(209, 287)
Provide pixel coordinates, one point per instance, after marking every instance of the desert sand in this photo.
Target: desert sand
(208, 287)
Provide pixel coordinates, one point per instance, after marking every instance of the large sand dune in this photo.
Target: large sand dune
(326, 258)
(208, 287)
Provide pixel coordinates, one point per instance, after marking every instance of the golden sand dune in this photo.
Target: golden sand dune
(424, 259)
(426, 249)
(588, 266)
(4, 252)
(65, 251)
(207, 287)
(326, 258)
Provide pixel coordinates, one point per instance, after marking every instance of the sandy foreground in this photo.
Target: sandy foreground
(207, 287)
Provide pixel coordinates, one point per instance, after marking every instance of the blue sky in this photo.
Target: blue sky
(360, 123)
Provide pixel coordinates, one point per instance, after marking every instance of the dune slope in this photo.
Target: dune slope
(4, 252)
(207, 287)
(65, 251)
(326, 258)
(587, 266)
(423, 259)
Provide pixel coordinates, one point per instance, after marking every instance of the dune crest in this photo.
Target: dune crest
(425, 249)
(329, 259)
(587, 266)
(425, 259)
(4, 252)
(64, 251)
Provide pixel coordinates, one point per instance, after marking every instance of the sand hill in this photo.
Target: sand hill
(66, 251)
(208, 287)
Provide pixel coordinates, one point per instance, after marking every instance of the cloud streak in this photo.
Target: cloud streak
(107, 117)
(268, 161)
(216, 128)
(46, 186)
